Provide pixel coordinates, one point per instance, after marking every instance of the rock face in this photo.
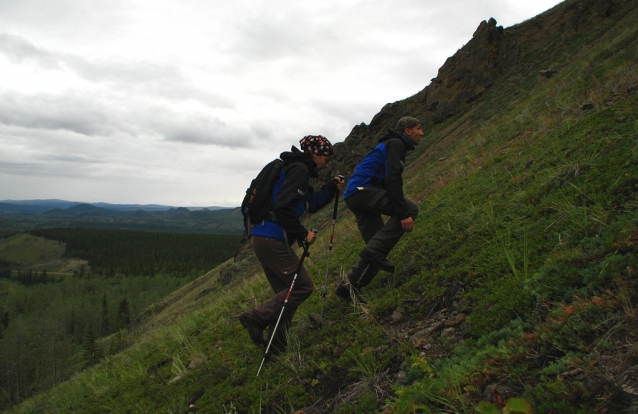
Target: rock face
(494, 58)
(461, 80)
(469, 73)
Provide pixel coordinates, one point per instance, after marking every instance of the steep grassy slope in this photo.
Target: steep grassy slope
(518, 280)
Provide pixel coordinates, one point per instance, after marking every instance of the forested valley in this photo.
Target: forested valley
(55, 322)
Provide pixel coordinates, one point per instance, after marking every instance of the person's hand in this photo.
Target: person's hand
(341, 184)
(407, 224)
(311, 237)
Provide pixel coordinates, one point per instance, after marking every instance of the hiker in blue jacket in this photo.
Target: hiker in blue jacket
(271, 240)
(375, 189)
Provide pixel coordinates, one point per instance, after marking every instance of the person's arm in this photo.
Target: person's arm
(292, 192)
(316, 200)
(394, 176)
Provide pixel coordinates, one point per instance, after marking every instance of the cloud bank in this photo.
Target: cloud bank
(182, 102)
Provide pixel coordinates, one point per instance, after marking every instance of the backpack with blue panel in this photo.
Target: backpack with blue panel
(257, 204)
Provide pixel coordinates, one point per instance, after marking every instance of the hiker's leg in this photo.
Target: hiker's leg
(280, 268)
(368, 275)
(386, 238)
(362, 204)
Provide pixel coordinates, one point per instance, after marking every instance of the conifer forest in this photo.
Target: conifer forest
(53, 323)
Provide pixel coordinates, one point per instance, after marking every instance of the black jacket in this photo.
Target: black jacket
(293, 196)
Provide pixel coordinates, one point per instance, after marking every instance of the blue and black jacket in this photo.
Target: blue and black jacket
(383, 167)
(292, 197)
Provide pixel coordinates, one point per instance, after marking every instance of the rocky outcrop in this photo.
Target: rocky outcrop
(460, 81)
(465, 76)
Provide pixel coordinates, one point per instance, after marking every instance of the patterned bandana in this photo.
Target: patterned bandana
(316, 144)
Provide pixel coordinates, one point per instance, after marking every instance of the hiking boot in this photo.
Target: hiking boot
(343, 291)
(380, 262)
(254, 330)
(349, 292)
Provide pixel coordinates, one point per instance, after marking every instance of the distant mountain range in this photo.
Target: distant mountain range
(41, 206)
(21, 215)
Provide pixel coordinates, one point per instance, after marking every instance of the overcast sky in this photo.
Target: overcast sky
(181, 102)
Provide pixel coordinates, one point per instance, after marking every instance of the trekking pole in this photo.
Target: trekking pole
(294, 278)
(332, 235)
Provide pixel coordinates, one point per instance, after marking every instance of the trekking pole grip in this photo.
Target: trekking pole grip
(306, 245)
(340, 177)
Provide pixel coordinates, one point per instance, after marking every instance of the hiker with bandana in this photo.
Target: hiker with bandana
(272, 238)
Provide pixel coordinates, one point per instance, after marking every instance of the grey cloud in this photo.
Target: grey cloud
(19, 50)
(79, 115)
(151, 78)
(88, 116)
(130, 73)
(261, 133)
(18, 168)
(196, 129)
(267, 35)
(70, 158)
(205, 132)
(159, 79)
(41, 169)
(269, 40)
(329, 42)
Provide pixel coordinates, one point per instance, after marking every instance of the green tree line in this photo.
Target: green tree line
(28, 277)
(125, 252)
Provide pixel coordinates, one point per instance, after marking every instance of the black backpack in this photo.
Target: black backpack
(257, 205)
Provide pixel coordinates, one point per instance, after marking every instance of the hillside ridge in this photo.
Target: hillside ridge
(519, 279)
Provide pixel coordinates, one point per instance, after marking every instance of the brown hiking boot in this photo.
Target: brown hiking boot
(255, 331)
(343, 291)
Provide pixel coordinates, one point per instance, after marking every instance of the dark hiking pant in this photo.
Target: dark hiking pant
(380, 237)
(280, 265)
